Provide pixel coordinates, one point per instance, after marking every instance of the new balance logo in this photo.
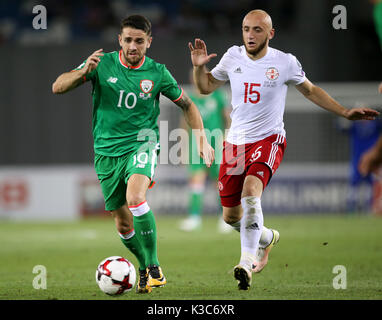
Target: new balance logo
(112, 80)
(253, 226)
(238, 70)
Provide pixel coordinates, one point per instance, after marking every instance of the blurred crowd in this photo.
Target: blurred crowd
(76, 20)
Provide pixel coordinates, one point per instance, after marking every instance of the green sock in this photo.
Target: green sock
(195, 203)
(146, 231)
(136, 249)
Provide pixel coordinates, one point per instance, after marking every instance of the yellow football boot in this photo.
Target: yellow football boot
(156, 277)
(142, 285)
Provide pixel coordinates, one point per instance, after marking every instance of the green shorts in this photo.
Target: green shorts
(114, 172)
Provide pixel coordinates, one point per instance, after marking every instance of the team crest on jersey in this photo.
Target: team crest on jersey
(146, 85)
(272, 73)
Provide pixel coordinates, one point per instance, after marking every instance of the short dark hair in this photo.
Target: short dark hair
(137, 22)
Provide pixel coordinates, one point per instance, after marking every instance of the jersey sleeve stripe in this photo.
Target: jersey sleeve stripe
(181, 95)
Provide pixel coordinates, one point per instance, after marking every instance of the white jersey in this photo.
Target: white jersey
(259, 89)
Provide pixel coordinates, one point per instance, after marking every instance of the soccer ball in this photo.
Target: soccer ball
(115, 275)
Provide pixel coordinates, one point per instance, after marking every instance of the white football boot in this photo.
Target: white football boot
(263, 253)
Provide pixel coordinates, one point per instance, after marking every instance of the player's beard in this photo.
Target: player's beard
(133, 61)
(255, 51)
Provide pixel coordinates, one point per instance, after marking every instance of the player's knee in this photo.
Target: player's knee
(228, 220)
(135, 199)
(253, 186)
(123, 223)
(232, 215)
(124, 227)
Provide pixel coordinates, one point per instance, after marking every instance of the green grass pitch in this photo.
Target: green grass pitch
(198, 265)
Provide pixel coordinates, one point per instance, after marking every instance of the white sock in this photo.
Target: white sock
(266, 234)
(236, 225)
(266, 237)
(250, 229)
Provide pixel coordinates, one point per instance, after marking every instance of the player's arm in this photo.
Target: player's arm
(194, 120)
(203, 79)
(226, 114)
(70, 80)
(371, 160)
(184, 142)
(321, 98)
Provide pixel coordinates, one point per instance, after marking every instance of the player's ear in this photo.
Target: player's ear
(149, 42)
(271, 34)
(120, 39)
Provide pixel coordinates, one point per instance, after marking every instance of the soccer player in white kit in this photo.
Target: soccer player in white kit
(259, 77)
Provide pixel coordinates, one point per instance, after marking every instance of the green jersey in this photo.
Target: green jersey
(211, 109)
(126, 102)
(377, 14)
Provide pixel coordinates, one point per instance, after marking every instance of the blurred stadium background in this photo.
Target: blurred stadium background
(46, 154)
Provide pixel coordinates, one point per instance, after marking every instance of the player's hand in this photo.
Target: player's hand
(361, 114)
(199, 56)
(206, 152)
(92, 61)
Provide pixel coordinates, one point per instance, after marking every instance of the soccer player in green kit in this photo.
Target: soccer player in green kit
(215, 114)
(126, 89)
